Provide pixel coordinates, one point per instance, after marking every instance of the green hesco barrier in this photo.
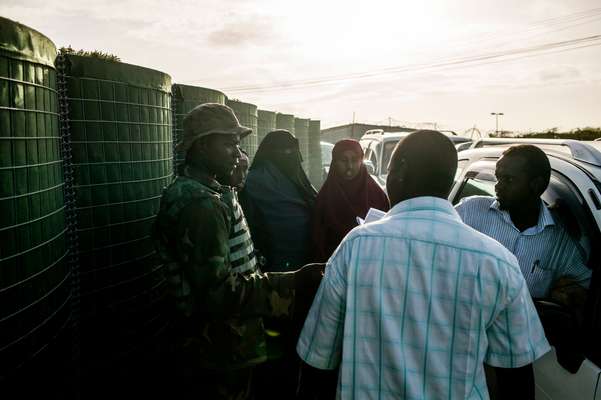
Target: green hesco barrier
(35, 284)
(285, 121)
(121, 137)
(185, 98)
(315, 165)
(265, 124)
(301, 131)
(247, 115)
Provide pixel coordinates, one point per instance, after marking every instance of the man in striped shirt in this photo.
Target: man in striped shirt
(218, 292)
(520, 221)
(412, 305)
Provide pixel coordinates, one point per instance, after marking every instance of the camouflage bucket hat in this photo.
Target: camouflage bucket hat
(207, 119)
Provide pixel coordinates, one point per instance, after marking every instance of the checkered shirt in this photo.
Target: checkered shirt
(412, 305)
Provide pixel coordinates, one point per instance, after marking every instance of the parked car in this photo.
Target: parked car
(378, 146)
(326, 159)
(576, 187)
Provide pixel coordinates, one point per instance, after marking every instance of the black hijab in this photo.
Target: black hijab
(281, 149)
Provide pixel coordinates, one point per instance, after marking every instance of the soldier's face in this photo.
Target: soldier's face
(240, 172)
(218, 153)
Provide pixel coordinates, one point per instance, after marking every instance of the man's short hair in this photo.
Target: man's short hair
(537, 162)
(433, 161)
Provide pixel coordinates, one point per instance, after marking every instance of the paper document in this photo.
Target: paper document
(372, 215)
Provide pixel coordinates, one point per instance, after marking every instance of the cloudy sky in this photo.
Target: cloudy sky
(432, 61)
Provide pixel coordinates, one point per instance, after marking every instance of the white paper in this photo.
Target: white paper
(372, 215)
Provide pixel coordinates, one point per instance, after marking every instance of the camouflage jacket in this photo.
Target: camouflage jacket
(219, 293)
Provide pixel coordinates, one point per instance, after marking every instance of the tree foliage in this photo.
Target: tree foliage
(587, 133)
(95, 54)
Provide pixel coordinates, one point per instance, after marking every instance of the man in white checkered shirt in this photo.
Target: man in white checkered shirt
(411, 306)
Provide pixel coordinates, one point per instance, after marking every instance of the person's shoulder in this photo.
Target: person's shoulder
(186, 192)
(476, 202)
(489, 246)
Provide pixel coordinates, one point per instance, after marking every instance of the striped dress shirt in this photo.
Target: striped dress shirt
(412, 305)
(545, 252)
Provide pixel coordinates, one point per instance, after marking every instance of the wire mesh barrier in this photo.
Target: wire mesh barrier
(86, 147)
(247, 115)
(285, 121)
(35, 286)
(120, 135)
(266, 123)
(185, 98)
(315, 164)
(301, 131)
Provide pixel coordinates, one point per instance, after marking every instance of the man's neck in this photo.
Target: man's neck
(525, 216)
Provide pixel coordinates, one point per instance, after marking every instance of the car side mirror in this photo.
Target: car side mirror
(371, 169)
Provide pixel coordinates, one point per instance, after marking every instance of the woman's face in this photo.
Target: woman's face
(348, 164)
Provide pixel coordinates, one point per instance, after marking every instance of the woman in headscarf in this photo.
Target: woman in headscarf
(348, 192)
(278, 202)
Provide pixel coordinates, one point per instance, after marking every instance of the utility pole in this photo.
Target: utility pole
(496, 122)
(389, 121)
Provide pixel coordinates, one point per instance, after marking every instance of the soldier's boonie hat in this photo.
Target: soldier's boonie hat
(207, 119)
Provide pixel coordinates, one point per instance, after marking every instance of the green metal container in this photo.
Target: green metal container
(266, 124)
(248, 116)
(35, 284)
(121, 137)
(185, 98)
(301, 131)
(285, 121)
(315, 164)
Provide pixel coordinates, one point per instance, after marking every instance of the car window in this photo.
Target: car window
(374, 159)
(388, 149)
(567, 203)
(480, 183)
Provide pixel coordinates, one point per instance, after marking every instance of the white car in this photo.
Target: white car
(378, 146)
(326, 159)
(576, 186)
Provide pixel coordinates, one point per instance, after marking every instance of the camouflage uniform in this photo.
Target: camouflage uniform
(219, 293)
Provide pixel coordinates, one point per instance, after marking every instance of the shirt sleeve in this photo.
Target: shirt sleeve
(204, 254)
(574, 265)
(320, 342)
(516, 337)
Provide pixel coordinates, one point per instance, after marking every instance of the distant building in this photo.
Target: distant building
(355, 131)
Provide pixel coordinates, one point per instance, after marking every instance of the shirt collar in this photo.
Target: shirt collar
(544, 216)
(424, 203)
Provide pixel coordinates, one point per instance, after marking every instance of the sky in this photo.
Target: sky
(418, 63)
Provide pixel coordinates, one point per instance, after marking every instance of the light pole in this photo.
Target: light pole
(496, 122)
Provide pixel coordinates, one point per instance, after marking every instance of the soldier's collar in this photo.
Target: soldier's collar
(203, 177)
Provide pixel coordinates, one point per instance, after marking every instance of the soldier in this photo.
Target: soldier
(219, 293)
